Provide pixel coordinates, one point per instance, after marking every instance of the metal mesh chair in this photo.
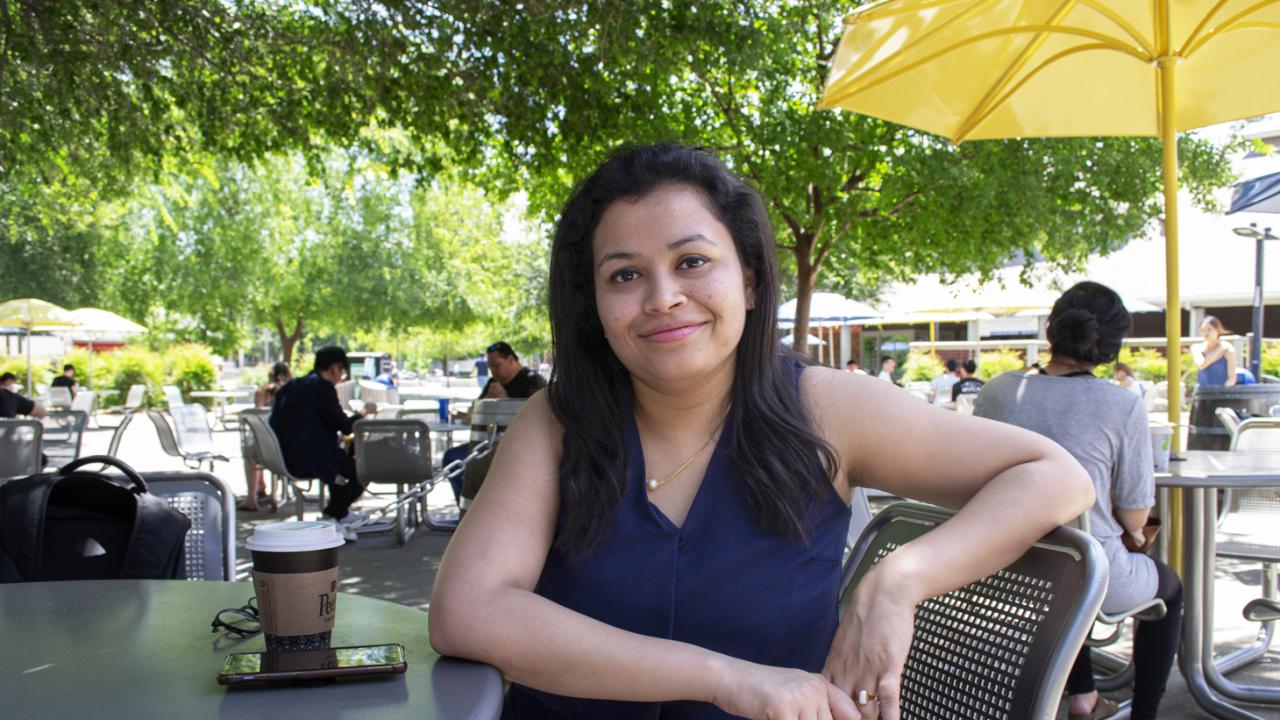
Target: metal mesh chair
(398, 453)
(272, 457)
(173, 396)
(84, 401)
(194, 439)
(63, 431)
(210, 505)
(249, 449)
(999, 648)
(60, 397)
(20, 447)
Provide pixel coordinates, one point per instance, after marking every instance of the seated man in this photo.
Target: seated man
(67, 380)
(307, 419)
(12, 404)
(508, 379)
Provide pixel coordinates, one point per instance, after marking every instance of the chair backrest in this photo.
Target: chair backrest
(63, 431)
(859, 516)
(20, 447)
(1229, 419)
(392, 451)
(83, 401)
(245, 394)
(346, 392)
(249, 440)
(965, 403)
(191, 429)
(1256, 434)
(210, 505)
(173, 396)
(137, 394)
(371, 391)
(269, 447)
(167, 442)
(60, 397)
(1000, 647)
(493, 416)
(117, 435)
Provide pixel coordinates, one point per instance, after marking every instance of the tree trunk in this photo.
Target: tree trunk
(289, 340)
(806, 275)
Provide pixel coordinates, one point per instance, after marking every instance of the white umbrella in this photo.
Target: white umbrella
(813, 340)
(826, 309)
(29, 314)
(1132, 304)
(95, 321)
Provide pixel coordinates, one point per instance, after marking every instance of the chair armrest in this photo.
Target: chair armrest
(1153, 609)
(1262, 610)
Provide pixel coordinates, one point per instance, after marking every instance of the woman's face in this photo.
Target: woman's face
(1209, 332)
(670, 290)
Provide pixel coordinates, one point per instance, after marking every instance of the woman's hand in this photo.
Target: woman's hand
(761, 692)
(871, 644)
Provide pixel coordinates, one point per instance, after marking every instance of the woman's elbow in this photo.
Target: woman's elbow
(1073, 484)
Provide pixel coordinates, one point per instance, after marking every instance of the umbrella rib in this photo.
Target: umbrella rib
(1024, 56)
(1191, 39)
(851, 74)
(1120, 22)
(1105, 40)
(978, 120)
(1230, 24)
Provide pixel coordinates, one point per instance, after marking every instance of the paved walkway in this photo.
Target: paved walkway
(375, 566)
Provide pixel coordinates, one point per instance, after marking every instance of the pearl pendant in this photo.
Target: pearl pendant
(653, 483)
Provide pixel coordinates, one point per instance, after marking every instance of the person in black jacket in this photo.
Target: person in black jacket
(307, 419)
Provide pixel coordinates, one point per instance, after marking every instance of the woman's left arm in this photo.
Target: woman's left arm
(1010, 487)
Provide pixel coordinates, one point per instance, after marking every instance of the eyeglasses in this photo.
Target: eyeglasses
(242, 621)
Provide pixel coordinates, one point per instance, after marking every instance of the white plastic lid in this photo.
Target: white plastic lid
(294, 536)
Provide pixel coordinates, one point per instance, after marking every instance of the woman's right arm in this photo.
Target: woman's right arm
(483, 606)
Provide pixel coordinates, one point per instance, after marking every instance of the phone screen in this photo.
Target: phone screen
(313, 660)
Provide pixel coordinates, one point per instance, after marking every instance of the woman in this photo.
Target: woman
(262, 398)
(1123, 377)
(665, 523)
(1105, 428)
(1215, 359)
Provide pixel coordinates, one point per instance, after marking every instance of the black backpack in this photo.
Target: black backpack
(74, 524)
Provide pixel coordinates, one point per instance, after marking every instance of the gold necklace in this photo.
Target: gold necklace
(653, 483)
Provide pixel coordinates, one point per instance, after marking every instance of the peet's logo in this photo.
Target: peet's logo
(329, 600)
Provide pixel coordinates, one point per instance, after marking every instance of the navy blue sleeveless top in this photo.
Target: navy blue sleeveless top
(720, 582)
(1215, 375)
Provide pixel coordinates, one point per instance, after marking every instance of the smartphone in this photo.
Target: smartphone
(340, 662)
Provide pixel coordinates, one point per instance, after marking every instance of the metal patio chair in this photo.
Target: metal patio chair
(63, 431)
(395, 453)
(1000, 647)
(210, 505)
(20, 447)
(268, 448)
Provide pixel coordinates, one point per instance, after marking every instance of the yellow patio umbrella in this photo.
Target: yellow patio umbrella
(983, 69)
(30, 314)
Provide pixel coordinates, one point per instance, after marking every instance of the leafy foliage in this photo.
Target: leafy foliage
(131, 366)
(921, 366)
(190, 368)
(992, 363)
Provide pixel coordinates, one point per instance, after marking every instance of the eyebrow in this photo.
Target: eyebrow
(623, 255)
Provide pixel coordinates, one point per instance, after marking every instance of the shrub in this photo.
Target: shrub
(991, 364)
(921, 366)
(130, 366)
(79, 357)
(17, 364)
(189, 367)
(1270, 360)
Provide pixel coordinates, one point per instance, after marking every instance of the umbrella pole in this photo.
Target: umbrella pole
(1173, 303)
(31, 389)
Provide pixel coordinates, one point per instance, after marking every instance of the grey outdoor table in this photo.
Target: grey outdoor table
(1201, 475)
(142, 649)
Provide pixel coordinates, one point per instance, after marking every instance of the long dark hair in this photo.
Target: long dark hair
(784, 463)
(1088, 323)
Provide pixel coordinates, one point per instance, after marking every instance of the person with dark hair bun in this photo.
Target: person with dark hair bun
(1105, 427)
(661, 531)
(1215, 359)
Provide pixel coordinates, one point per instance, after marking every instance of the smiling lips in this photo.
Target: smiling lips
(673, 333)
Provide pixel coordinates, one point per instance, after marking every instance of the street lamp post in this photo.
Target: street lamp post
(1255, 343)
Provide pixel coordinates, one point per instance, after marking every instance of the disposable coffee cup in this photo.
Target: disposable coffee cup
(295, 577)
(1161, 446)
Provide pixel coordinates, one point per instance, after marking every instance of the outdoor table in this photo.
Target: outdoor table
(444, 433)
(220, 398)
(134, 649)
(1200, 476)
